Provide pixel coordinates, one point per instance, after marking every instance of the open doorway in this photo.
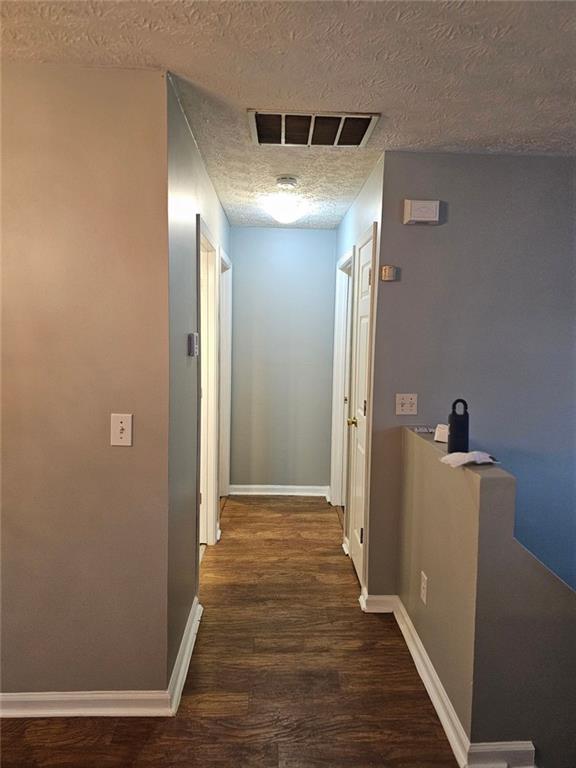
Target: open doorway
(216, 377)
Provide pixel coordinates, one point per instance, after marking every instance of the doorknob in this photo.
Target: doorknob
(353, 422)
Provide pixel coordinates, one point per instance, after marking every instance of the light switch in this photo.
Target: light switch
(406, 404)
(121, 429)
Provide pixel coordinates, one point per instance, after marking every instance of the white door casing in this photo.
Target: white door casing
(347, 405)
(359, 438)
(225, 371)
(340, 381)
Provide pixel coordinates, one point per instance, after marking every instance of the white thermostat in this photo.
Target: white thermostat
(421, 212)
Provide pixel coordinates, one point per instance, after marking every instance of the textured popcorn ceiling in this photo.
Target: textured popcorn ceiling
(465, 76)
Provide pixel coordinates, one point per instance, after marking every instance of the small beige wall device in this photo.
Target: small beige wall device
(421, 212)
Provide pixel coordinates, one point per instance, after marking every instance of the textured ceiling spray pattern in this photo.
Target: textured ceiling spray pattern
(465, 76)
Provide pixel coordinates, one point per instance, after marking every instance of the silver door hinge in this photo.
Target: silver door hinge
(361, 535)
(370, 276)
(364, 407)
(193, 344)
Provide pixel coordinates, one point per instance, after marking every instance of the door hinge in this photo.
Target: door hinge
(361, 535)
(364, 407)
(200, 497)
(370, 276)
(193, 344)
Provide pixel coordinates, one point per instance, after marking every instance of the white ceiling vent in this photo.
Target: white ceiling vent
(319, 129)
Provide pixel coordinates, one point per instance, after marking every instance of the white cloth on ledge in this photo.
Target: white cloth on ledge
(472, 457)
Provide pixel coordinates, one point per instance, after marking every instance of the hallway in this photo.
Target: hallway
(287, 671)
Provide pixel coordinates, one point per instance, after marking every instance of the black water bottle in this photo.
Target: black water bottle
(458, 428)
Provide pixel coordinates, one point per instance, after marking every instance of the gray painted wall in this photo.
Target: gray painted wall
(364, 211)
(85, 328)
(485, 310)
(199, 194)
(190, 194)
(283, 318)
(183, 446)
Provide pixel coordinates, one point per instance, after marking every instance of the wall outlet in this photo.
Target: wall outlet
(423, 587)
(121, 429)
(406, 404)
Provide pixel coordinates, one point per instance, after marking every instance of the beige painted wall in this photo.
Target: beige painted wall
(524, 659)
(439, 531)
(498, 626)
(85, 332)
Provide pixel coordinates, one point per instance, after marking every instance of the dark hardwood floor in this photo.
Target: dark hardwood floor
(287, 671)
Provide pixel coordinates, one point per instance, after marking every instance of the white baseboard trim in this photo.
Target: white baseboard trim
(378, 603)
(110, 703)
(86, 704)
(453, 728)
(279, 490)
(180, 669)
(506, 754)
(346, 546)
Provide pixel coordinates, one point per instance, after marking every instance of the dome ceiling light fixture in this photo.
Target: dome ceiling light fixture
(286, 206)
(287, 182)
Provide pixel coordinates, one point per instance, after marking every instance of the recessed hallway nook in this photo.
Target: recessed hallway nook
(286, 671)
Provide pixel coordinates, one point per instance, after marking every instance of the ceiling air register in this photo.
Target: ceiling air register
(319, 129)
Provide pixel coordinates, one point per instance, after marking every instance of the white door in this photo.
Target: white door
(346, 409)
(365, 259)
(209, 354)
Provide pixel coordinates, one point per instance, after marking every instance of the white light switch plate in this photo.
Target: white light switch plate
(406, 404)
(121, 429)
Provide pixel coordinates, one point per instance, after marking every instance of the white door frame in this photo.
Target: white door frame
(340, 380)
(374, 234)
(225, 371)
(210, 394)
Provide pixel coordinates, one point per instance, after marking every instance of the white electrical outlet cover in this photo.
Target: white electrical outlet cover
(406, 404)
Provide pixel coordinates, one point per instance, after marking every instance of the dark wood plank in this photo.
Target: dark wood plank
(287, 671)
